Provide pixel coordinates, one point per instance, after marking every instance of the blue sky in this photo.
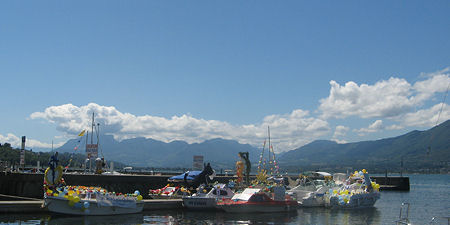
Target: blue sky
(195, 70)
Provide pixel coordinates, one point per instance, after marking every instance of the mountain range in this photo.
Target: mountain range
(414, 150)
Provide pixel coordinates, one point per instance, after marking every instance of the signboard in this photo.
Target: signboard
(91, 151)
(197, 163)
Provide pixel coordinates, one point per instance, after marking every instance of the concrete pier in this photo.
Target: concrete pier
(392, 183)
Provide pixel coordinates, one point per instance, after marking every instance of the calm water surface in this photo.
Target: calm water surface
(429, 197)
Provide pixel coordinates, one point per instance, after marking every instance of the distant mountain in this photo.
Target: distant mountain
(321, 154)
(145, 152)
(419, 149)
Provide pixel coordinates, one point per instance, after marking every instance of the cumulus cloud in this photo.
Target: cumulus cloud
(340, 131)
(385, 99)
(436, 82)
(427, 117)
(288, 131)
(30, 143)
(374, 127)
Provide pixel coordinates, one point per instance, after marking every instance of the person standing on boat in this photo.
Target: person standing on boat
(53, 163)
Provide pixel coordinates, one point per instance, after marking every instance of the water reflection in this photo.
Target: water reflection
(218, 217)
(339, 216)
(301, 216)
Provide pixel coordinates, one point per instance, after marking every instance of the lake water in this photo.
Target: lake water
(429, 197)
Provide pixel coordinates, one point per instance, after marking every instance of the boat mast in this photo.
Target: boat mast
(270, 145)
(92, 128)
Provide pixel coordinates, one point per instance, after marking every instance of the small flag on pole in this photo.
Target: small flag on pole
(82, 133)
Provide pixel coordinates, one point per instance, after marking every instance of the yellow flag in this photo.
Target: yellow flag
(82, 133)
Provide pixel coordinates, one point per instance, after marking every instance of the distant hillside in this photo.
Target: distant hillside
(145, 152)
(328, 155)
(413, 147)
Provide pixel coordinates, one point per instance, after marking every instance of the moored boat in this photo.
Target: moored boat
(256, 200)
(81, 200)
(208, 200)
(358, 192)
(312, 189)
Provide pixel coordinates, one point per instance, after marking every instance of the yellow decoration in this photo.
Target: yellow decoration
(76, 199)
(139, 197)
(364, 171)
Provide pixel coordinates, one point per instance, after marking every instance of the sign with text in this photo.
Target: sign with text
(92, 150)
(197, 163)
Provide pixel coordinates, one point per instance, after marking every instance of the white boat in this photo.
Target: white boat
(311, 192)
(254, 200)
(92, 207)
(82, 200)
(357, 192)
(309, 195)
(202, 200)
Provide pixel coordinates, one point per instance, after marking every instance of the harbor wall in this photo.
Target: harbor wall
(31, 185)
(392, 183)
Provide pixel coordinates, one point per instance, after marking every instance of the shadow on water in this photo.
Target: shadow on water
(128, 219)
(48, 218)
(218, 217)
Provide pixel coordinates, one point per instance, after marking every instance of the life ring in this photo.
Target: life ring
(48, 176)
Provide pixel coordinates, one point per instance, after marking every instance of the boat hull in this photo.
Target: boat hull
(61, 206)
(258, 207)
(199, 203)
(356, 201)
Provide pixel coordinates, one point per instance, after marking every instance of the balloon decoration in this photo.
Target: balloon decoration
(355, 185)
(78, 197)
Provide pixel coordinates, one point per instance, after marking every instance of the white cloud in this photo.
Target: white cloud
(287, 131)
(436, 82)
(374, 127)
(340, 131)
(427, 117)
(29, 143)
(385, 99)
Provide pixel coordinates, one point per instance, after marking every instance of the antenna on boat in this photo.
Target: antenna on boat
(261, 158)
(270, 161)
(92, 128)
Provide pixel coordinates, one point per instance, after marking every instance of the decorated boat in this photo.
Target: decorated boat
(206, 198)
(168, 192)
(311, 190)
(253, 200)
(358, 192)
(183, 184)
(82, 200)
